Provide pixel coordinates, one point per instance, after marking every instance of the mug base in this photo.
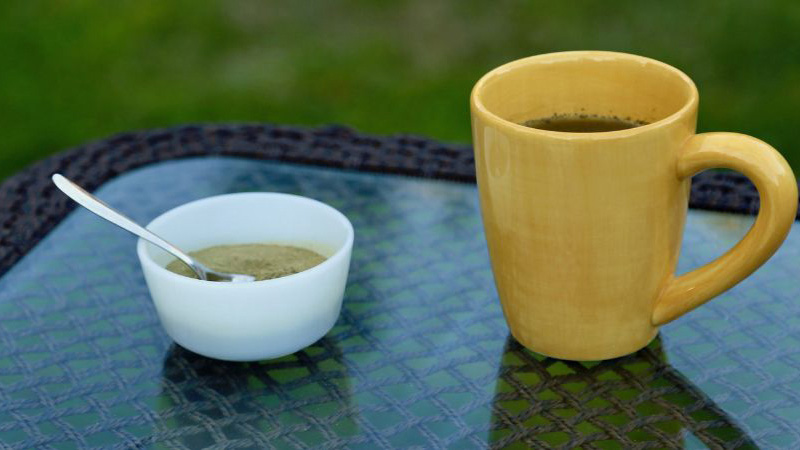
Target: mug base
(579, 354)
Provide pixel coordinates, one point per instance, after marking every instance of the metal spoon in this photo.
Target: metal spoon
(97, 206)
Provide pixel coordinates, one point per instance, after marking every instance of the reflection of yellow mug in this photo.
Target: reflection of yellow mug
(584, 229)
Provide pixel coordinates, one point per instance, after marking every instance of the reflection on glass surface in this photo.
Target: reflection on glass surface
(636, 400)
(301, 400)
(420, 356)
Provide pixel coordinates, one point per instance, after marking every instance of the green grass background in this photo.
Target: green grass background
(76, 70)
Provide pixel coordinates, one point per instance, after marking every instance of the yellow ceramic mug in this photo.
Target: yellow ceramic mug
(584, 229)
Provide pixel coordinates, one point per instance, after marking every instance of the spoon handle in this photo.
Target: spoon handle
(98, 207)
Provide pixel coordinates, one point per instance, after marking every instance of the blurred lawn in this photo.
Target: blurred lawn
(75, 70)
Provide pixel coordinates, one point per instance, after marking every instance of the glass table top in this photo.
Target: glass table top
(420, 356)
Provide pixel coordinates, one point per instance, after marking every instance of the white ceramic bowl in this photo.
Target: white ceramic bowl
(257, 320)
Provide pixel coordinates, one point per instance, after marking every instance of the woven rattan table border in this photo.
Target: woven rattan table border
(31, 207)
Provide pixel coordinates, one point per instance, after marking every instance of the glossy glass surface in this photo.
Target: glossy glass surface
(420, 356)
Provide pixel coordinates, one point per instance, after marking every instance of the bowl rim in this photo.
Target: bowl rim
(146, 260)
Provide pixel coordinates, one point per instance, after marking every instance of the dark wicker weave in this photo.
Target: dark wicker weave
(31, 208)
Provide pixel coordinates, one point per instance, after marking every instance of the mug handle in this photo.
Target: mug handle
(777, 189)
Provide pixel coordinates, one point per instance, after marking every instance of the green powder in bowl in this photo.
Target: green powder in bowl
(263, 261)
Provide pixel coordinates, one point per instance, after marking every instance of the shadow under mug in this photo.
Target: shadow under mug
(584, 229)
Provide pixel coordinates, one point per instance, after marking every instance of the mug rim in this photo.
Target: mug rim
(146, 259)
(479, 108)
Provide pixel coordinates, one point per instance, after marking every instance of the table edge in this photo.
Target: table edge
(32, 206)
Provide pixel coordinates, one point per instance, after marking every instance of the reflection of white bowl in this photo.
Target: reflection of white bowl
(257, 320)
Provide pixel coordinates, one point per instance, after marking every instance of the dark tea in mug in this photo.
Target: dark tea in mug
(583, 123)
